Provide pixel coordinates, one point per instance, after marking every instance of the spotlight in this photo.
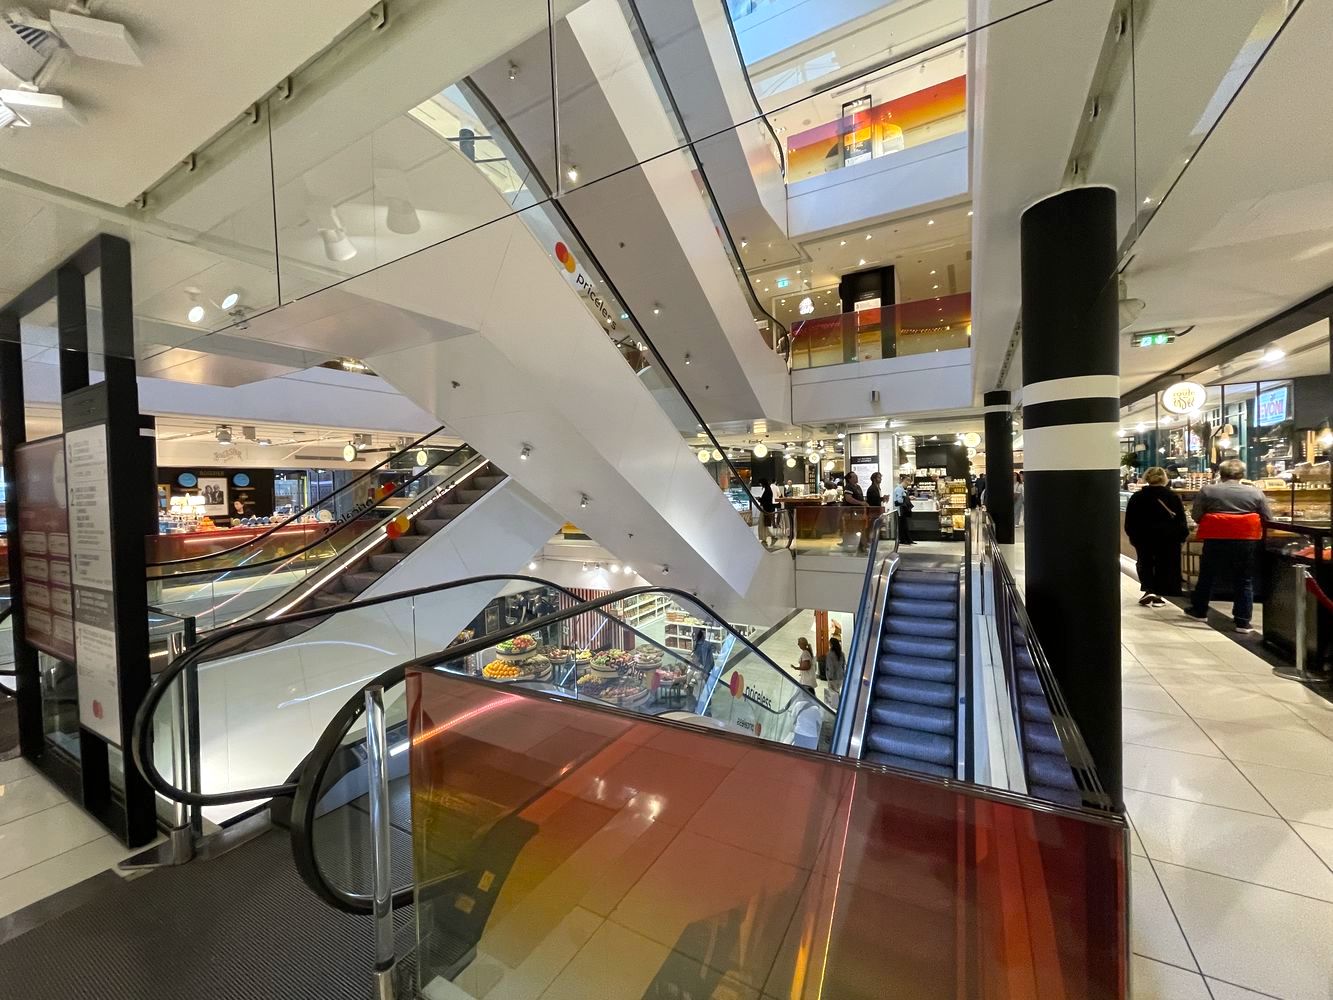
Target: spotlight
(791, 462)
(760, 450)
(744, 243)
(615, 567)
(222, 434)
(349, 452)
(666, 569)
(583, 500)
(523, 455)
(1325, 438)
(532, 566)
(717, 455)
(586, 567)
(401, 216)
(422, 456)
(687, 357)
(329, 225)
(703, 456)
(657, 310)
(573, 174)
(930, 222)
(230, 300)
(196, 314)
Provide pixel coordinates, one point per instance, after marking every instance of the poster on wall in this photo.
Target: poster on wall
(858, 142)
(44, 540)
(93, 578)
(863, 451)
(214, 492)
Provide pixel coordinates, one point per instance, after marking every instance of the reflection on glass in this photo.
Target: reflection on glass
(923, 327)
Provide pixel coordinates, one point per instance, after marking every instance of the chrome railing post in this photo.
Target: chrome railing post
(377, 766)
(1302, 574)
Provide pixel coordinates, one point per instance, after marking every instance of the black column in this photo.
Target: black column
(1000, 464)
(1071, 457)
(72, 322)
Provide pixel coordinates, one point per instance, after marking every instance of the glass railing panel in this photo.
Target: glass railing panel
(584, 852)
(926, 326)
(832, 528)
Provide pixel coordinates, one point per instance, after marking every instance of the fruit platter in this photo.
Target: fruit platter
(538, 666)
(648, 657)
(500, 670)
(517, 649)
(627, 692)
(583, 656)
(610, 661)
(559, 655)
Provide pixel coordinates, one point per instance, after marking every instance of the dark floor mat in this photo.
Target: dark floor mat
(9, 727)
(239, 927)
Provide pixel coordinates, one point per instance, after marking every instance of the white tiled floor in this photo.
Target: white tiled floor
(46, 843)
(1229, 785)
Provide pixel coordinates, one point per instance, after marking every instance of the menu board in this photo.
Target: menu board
(44, 541)
(93, 576)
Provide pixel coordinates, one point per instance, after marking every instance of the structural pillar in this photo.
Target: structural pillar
(1071, 458)
(1000, 464)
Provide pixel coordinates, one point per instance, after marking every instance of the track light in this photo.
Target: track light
(196, 314)
(337, 247)
(230, 300)
(760, 450)
(222, 434)
(703, 456)
(666, 570)
(523, 455)
(687, 357)
(401, 216)
(717, 455)
(744, 243)
(583, 500)
(657, 310)
(422, 456)
(349, 452)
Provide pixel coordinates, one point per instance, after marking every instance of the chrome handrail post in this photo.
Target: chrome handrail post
(377, 792)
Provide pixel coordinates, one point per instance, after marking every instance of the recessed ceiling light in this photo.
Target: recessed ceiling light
(842, 243)
(969, 213)
(869, 236)
(1274, 354)
(196, 314)
(572, 173)
(930, 222)
(932, 274)
(934, 286)
(230, 299)
(861, 262)
(1148, 200)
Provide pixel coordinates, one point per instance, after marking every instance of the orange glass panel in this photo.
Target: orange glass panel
(563, 851)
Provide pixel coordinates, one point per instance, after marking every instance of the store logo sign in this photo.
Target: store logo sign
(583, 284)
(1184, 397)
(806, 307)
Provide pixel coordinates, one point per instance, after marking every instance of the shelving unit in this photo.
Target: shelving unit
(640, 609)
(680, 629)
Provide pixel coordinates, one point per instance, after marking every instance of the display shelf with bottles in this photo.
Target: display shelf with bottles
(640, 609)
(681, 626)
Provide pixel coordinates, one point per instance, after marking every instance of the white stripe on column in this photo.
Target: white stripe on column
(999, 408)
(1077, 387)
(1071, 447)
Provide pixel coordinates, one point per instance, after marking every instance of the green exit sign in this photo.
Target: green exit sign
(1154, 339)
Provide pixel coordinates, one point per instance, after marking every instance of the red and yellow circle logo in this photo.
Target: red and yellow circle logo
(737, 684)
(563, 255)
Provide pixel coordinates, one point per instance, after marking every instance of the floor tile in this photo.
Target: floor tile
(1303, 749)
(40, 836)
(48, 877)
(1226, 991)
(1213, 780)
(1227, 702)
(1154, 930)
(486, 976)
(1320, 839)
(26, 796)
(1241, 845)
(1253, 936)
(12, 770)
(783, 820)
(1296, 795)
(617, 962)
(1151, 980)
(1148, 696)
(1135, 843)
(717, 903)
(1166, 732)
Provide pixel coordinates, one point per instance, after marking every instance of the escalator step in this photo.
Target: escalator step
(921, 668)
(430, 525)
(356, 583)
(911, 716)
(908, 764)
(409, 543)
(1064, 796)
(922, 609)
(1030, 683)
(487, 482)
(1041, 737)
(1034, 708)
(940, 695)
(920, 646)
(929, 747)
(331, 599)
(911, 590)
(926, 576)
(941, 628)
(471, 496)
(1049, 769)
(385, 561)
(448, 511)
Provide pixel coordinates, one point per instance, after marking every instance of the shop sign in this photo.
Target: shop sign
(583, 284)
(1272, 406)
(1184, 397)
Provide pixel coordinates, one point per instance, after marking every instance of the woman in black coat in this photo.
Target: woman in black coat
(1156, 526)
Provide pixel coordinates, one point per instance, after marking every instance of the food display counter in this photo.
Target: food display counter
(280, 541)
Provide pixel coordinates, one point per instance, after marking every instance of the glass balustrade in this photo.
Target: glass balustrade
(908, 328)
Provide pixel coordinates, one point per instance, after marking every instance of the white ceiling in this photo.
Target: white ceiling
(203, 63)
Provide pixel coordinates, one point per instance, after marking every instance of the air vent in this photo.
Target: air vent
(24, 49)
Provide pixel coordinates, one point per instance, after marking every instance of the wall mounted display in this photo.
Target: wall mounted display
(44, 539)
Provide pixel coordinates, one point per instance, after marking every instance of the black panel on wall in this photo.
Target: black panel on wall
(872, 283)
(1312, 402)
(951, 457)
(253, 486)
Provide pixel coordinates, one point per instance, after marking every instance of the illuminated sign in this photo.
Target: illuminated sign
(1156, 339)
(1271, 406)
(783, 282)
(1184, 397)
(806, 306)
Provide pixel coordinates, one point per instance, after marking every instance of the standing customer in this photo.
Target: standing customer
(902, 501)
(835, 666)
(874, 501)
(1018, 500)
(805, 666)
(1156, 526)
(1230, 516)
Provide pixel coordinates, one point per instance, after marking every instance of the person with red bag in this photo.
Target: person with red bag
(1230, 517)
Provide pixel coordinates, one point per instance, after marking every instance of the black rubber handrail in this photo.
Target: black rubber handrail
(856, 653)
(303, 511)
(749, 85)
(334, 528)
(310, 781)
(143, 735)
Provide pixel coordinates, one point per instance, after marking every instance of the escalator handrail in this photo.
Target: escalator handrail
(749, 85)
(333, 526)
(746, 281)
(862, 654)
(1071, 739)
(305, 790)
(304, 510)
(143, 735)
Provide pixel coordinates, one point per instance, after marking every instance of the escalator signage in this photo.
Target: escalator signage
(584, 285)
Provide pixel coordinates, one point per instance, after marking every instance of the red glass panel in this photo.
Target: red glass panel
(566, 851)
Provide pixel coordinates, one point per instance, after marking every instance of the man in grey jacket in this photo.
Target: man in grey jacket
(1230, 516)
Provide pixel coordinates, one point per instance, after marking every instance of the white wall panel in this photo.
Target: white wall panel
(918, 382)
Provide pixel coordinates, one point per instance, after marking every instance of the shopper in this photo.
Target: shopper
(702, 652)
(874, 505)
(902, 502)
(1156, 526)
(805, 665)
(1230, 516)
(1018, 500)
(835, 669)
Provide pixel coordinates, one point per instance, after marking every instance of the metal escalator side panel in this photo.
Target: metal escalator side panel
(858, 704)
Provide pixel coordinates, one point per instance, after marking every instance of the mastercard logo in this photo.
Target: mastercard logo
(563, 255)
(737, 684)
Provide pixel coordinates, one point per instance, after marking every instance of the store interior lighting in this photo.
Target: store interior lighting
(349, 452)
(231, 300)
(422, 456)
(703, 456)
(760, 450)
(584, 501)
(525, 452)
(400, 214)
(337, 247)
(222, 434)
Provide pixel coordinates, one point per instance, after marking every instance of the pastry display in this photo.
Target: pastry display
(538, 666)
(648, 657)
(520, 647)
(499, 670)
(624, 692)
(558, 654)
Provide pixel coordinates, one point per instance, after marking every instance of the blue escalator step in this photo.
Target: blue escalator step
(1030, 683)
(910, 590)
(925, 576)
(922, 609)
(1041, 737)
(921, 668)
(941, 628)
(920, 646)
(913, 716)
(929, 747)
(1063, 796)
(1049, 769)
(941, 695)
(908, 764)
(1034, 708)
